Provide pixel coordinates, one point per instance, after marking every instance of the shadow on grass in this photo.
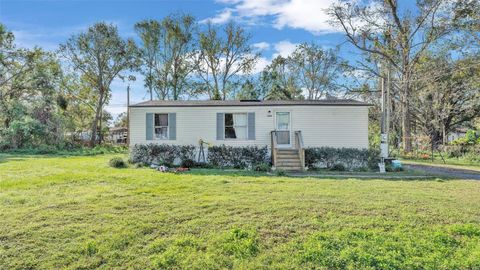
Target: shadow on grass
(400, 176)
(7, 158)
(39, 153)
(228, 172)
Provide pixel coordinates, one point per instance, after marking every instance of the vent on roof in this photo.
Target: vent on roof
(249, 100)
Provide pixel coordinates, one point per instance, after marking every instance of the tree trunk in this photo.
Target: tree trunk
(406, 121)
(100, 133)
(98, 110)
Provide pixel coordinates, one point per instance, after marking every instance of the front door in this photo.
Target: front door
(283, 125)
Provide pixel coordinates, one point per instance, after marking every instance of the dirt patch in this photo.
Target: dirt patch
(444, 171)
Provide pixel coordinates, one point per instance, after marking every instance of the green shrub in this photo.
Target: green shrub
(140, 165)
(237, 157)
(338, 167)
(280, 173)
(469, 152)
(350, 158)
(188, 163)
(263, 167)
(162, 154)
(203, 165)
(117, 162)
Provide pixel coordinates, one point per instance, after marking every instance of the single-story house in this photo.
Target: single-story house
(456, 134)
(286, 126)
(118, 135)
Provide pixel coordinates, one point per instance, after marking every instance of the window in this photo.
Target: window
(161, 126)
(236, 126)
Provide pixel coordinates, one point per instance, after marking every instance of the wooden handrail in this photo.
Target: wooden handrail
(273, 135)
(299, 146)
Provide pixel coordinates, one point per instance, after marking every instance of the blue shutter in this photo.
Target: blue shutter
(220, 126)
(172, 126)
(149, 126)
(251, 126)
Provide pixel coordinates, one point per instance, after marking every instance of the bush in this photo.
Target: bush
(188, 163)
(338, 167)
(203, 165)
(140, 165)
(237, 157)
(263, 167)
(117, 162)
(350, 158)
(469, 152)
(161, 154)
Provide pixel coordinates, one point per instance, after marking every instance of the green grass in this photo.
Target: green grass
(79, 213)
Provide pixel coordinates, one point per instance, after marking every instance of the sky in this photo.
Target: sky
(276, 26)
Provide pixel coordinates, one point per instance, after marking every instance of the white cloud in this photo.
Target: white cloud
(309, 15)
(261, 46)
(260, 65)
(221, 18)
(284, 48)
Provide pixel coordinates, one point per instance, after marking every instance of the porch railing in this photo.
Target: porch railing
(273, 136)
(298, 145)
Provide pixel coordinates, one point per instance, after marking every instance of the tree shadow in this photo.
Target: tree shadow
(402, 176)
(8, 158)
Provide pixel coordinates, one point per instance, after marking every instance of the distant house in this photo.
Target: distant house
(456, 134)
(286, 127)
(118, 135)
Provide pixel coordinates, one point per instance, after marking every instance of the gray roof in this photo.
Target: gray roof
(220, 103)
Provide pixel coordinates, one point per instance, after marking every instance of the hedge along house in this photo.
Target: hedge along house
(285, 127)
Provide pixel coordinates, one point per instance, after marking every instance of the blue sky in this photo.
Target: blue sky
(275, 25)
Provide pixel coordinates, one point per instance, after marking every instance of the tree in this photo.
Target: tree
(467, 19)
(224, 56)
(448, 96)
(29, 94)
(166, 53)
(278, 82)
(121, 120)
(397, 38)
(99, 55)
(316, 70)
(149, 33)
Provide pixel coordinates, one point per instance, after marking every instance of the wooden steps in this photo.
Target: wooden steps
(288, 160)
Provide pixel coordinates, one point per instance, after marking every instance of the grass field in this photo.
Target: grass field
(77, 213)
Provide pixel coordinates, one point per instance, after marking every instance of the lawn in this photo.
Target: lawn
(77, 213)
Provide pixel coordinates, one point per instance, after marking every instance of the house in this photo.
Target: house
(118, 135)
(286, 127)
(456, 134)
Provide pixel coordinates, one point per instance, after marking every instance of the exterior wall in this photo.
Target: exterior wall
(334, 126)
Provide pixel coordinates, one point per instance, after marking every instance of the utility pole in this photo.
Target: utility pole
(384, 125)
(128, 115)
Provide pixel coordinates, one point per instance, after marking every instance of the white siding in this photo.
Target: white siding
(335, 126)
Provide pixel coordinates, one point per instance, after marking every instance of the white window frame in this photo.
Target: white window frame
(225, 126)
(155, 127)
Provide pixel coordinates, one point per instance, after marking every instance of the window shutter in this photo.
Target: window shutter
(220, 126)
(149, 126)
(172, 126)
(251, 126)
